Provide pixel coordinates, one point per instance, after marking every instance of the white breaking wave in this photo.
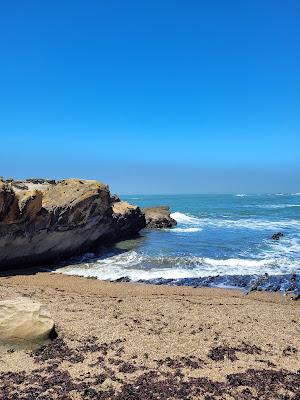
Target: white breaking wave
(285, 246)
(143, 267)
(185, 230)
(188, 221)
(278, 205)
(238, 262)
(241, 195)
(256, 224)
(184, 218)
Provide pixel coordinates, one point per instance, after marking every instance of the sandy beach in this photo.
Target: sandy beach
(133, 341)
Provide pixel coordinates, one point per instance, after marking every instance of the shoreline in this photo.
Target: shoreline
(193, 283)
(35, 276)
(112, 335)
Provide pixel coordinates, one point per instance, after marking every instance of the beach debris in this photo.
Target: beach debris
(57, 351)
(289, 351)
(169, 378)
(220, 353)
(191, 362)
(277, 236)
(24, 319)
(264, 384)
(127, 368)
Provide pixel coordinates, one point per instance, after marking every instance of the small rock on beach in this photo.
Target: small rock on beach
(24, 319)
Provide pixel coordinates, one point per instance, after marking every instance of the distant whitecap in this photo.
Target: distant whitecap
(185, 230)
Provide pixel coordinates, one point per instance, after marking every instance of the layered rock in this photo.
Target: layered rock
(24, 319)
(159, 217)
(43, 220)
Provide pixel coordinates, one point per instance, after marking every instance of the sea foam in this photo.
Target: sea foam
(185, 230)
(182, 218)
(188, 221)
(138, 266)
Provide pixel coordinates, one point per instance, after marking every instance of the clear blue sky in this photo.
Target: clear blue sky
(152, 96)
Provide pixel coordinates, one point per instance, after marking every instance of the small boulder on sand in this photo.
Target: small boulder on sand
(24, 319)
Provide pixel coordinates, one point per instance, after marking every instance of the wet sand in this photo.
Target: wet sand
(131, 341)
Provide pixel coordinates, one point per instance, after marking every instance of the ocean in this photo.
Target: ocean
(220, 240)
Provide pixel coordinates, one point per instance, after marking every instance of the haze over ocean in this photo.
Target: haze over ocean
(153, 97)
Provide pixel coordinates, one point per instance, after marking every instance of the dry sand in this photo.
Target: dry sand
(130, 341)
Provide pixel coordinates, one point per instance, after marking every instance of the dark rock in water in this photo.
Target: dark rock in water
(293, 288)
(42, 220)
(277, 236)
(288, 284)
(257, 282)
(123, 279)
(296, 295)
(159, 217)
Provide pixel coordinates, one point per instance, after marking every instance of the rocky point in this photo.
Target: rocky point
(43, 220)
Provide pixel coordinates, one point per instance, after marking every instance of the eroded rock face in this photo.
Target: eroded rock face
(23, 319)
(50, 220)
(159, 217)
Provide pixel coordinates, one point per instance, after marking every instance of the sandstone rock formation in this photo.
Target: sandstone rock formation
(158, 217)
(23, 319)
(43, 220)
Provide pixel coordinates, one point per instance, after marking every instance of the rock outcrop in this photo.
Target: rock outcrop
(43, 220)
(23, 319)
(159, 217)
(277, 236)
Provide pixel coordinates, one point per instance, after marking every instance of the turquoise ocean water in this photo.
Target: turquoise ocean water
(220, 240)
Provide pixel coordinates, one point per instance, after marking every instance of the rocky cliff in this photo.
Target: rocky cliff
(43, 220)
